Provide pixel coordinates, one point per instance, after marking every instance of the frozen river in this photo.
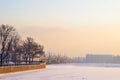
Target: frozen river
(67, 72)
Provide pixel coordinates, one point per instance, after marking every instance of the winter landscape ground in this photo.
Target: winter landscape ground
(68, 72)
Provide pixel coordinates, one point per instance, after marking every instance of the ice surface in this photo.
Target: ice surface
(67, 72)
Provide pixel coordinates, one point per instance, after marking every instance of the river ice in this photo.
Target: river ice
(67, 72)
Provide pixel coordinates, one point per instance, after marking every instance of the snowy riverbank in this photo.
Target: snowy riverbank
(67, 72)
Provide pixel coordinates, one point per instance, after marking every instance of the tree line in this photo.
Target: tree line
(58, 59)
(13, 49)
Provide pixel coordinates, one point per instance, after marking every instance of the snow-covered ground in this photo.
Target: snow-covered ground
(67, 72)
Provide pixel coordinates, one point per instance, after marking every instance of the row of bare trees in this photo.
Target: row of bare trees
(58, 59)
(13, 49)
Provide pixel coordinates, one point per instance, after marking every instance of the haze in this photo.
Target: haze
(71, 27)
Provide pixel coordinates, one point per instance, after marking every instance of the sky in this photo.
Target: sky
(71, 27)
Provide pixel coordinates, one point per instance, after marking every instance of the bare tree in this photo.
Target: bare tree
(11, 48)
(31, 48)
(37, 50)
(7, 33)
(15, 48)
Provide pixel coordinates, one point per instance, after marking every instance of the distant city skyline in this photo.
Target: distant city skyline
(71, 27)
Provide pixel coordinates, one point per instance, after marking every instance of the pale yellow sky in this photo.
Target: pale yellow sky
(76, 41)
(72, 27)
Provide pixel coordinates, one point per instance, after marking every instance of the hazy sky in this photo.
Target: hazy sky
(72, 27)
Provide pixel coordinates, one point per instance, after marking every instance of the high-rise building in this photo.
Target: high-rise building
(98, 58)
